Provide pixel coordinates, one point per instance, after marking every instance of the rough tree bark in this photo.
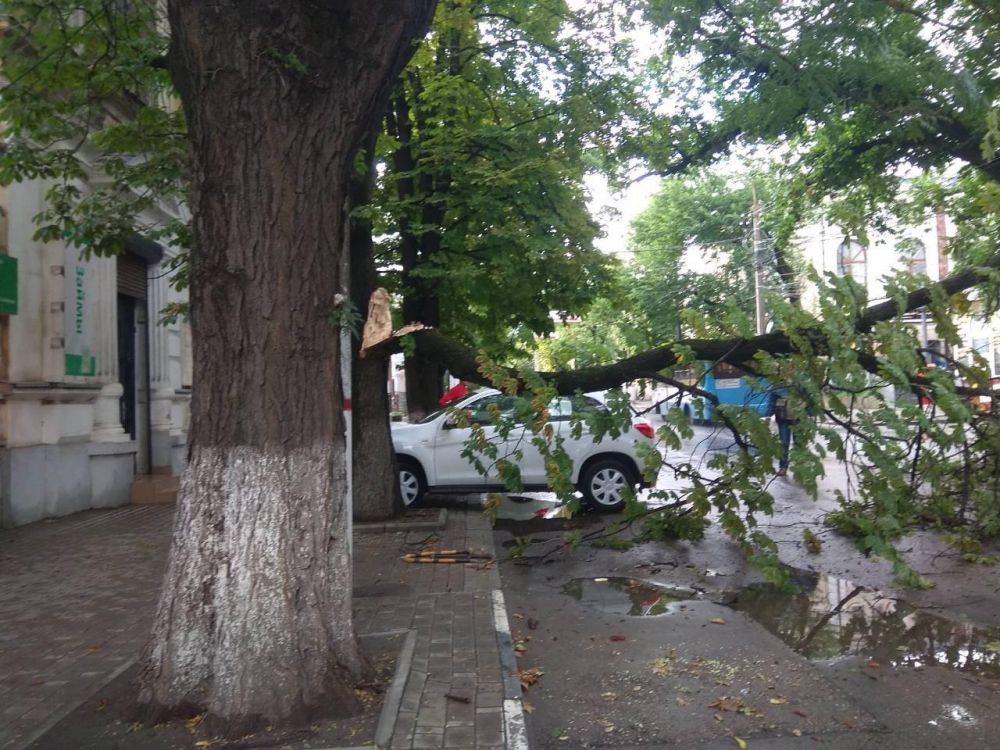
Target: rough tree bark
(254, 621)
(375, 482)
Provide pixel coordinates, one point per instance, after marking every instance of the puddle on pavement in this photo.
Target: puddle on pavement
(830, 618)
(626, 596)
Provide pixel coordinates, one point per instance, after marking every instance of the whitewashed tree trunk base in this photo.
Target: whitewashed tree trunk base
(255, 619)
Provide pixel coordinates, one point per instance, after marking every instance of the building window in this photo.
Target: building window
(852, 260)
(913, 253)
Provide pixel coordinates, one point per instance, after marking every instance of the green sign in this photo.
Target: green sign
(8, 285)
(81, 364)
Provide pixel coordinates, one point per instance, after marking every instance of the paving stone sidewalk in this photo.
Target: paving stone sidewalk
(77, 596)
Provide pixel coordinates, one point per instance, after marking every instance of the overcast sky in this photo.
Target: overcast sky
(615, 211)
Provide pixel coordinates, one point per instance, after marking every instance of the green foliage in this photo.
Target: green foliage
(502, 111)
(813, 544)
(872, 90)
(694, 258)
(517, 549)
(615, 543)
(346, 315)
(90, 112)
(672, 524)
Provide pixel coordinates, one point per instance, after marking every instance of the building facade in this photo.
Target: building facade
(922, 249)
(94, 389)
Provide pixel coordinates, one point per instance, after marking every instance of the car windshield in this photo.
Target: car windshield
(559, 409)
(433, 415)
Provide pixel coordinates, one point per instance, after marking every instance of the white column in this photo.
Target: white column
(159, 352)
(107, 406)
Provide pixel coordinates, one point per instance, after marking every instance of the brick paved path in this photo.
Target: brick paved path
(76, 603)
(77, 596)
(450, 607)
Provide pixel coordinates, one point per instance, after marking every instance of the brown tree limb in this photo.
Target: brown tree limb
(464, 363)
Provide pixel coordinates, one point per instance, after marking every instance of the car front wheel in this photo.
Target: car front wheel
(411, 483)
(604, 484)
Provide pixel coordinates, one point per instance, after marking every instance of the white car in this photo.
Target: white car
(430, 458)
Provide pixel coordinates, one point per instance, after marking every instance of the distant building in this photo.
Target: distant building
(921, 249)
(94, 390)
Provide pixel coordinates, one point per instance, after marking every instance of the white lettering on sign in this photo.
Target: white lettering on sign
(81, 295)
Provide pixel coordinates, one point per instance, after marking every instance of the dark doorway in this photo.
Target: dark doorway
(133, 355)
(126, 361)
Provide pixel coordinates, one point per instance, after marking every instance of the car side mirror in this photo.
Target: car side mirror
(449, 424)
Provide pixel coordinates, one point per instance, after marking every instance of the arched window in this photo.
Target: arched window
(913, 253)
(852, 260)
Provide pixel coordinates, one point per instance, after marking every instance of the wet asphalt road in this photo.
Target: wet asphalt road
(679, 644)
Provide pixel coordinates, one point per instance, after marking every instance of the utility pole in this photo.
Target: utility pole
(758, 265)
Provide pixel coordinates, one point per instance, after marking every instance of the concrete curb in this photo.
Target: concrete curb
(395, 526)
(394, 695)
(515, 731)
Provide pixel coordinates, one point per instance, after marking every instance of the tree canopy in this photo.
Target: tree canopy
(490, 131)
(874, 86)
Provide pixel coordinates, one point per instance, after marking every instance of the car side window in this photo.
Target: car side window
(560, 409)
(481, 411)
(586, 404)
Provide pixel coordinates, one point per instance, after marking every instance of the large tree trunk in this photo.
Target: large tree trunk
(375, 481)
(424, 385)
(417, 246)
(254, 621)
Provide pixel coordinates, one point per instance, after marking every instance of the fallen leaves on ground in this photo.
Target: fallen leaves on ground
(528, 677)
(734, 705)
(741, 743)
(193, 724)
(663, 666)
(716, 621)
(617, 638)
(778, 701)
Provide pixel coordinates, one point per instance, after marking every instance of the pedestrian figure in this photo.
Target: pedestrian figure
(778, 406)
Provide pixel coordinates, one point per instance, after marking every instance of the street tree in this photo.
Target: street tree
(488, 135)
(693, 246)
(255, 615)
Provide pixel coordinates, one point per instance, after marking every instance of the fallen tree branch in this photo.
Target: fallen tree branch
(463, 363)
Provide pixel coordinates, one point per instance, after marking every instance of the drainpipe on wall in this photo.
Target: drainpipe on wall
(941, 233)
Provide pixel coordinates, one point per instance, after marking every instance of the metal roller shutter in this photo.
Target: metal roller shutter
(131, 276)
